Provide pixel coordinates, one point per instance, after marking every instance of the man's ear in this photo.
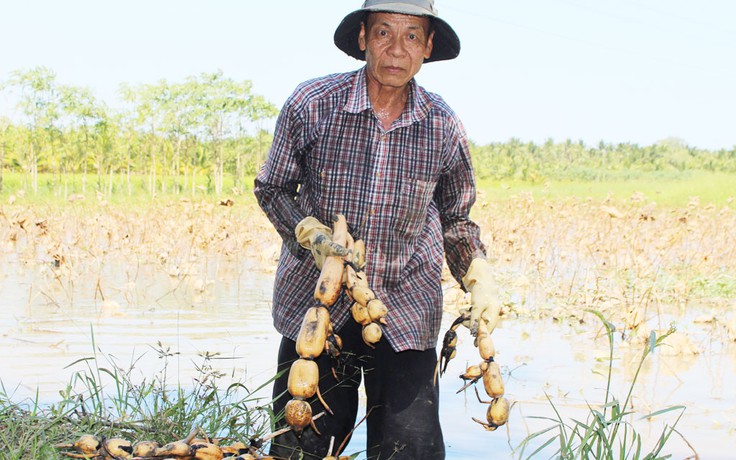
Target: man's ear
(361, 37)
(430, 45)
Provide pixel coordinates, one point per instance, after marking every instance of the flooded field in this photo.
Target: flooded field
(188, 280)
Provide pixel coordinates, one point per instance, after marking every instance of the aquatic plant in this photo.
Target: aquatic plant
(607, 433)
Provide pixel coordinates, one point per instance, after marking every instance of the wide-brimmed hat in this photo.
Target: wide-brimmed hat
(446, 44)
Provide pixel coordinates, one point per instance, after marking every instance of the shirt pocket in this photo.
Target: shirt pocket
(414, 200)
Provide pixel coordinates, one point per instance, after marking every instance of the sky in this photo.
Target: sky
(616, 71)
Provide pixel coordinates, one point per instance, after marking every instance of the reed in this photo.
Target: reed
(608, 432)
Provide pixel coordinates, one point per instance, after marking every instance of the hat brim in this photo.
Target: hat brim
(446, 43)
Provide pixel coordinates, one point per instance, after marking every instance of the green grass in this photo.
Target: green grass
(667, 190)
(54, 190)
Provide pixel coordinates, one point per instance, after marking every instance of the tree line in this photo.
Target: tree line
(198, 134)
(172, 134)
(570, 160)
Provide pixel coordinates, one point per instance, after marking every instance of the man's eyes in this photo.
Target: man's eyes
(385, 33)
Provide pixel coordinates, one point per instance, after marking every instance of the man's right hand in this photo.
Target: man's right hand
(313, 235)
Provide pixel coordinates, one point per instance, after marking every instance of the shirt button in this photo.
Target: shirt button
(373, 211)
(379, 175)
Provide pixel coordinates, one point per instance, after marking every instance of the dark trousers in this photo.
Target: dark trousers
(402, 405)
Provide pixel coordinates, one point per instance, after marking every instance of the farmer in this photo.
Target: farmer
(375, 146)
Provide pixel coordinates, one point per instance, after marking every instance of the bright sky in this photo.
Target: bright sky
(614, 70)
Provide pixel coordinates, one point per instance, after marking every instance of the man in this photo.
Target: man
(393, 158)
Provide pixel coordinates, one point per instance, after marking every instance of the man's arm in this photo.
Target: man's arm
(464, 250)
(455, 195)
(279, 204)
(277, 183)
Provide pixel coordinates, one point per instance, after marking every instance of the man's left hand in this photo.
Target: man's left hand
(485, 303)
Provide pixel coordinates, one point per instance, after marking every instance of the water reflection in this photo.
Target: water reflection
(222, 305)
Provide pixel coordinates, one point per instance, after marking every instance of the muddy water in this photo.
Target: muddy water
(128, 311)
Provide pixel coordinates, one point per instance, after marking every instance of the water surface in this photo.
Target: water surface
(129, 310)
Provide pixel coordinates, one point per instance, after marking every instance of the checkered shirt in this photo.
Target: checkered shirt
(407, 191)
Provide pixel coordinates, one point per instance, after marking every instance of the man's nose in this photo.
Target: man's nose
(396, 46)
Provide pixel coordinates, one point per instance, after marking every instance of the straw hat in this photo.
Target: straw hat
(446, 44)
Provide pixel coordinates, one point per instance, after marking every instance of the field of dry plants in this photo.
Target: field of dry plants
(638, 264)
(634, 262)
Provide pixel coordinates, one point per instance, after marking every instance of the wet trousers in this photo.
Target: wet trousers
(402, 401)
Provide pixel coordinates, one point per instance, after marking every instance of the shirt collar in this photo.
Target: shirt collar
(358, 100)
(417, 107)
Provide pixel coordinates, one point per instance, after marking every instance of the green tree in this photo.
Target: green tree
(143, 118)
(224, 107)
(83, 114)
(39, 101)
(4, 126)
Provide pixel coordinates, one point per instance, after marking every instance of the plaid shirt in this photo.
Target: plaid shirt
(406, 191)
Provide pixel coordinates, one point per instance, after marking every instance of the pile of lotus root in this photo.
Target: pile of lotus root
(190, 448)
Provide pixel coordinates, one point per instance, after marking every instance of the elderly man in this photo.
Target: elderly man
(376, 147)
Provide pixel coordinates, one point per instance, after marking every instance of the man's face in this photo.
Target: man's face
(395, 47)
